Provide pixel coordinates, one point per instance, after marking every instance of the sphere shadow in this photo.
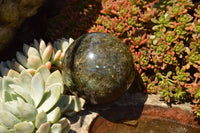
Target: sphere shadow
(128, 107)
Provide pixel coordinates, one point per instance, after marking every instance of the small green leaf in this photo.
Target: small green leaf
(54, 115)
(3, 129)
(7, 91)
(56, 128)
(65, 124)
(42, 47)
(55, 77)
(44, 72)
(24, 127)
(36, 44)
(16, 66)
(75, 105)
(31, 51)
(34, 62)
(22, 92)
(8, 119)
(25, 78)
(51, 100)
(22, 59)
(1, 89)
(40, 119)
(37, 88)
(10, 107)
(47, 53)
(79, 102)
(25, 49)
(12, 73)
(27, 111)
(44, 128)
(64, 102)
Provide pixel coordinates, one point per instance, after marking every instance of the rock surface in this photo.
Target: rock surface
(12, 14)
(81, 122)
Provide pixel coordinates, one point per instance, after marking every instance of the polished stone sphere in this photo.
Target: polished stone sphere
(98, 67)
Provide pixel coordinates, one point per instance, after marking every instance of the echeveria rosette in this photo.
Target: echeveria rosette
(36, 55)
(32, 103)
(60, 46)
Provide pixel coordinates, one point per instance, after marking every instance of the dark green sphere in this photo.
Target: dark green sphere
(98, 67)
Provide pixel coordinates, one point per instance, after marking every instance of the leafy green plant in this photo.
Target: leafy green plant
(32, 93)
(37, 54)
(27, 102)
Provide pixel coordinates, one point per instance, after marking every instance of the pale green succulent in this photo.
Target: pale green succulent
(37, 54)
(60, 46)
(34, 102)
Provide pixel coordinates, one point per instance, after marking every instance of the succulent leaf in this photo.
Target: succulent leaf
(30, 51)
(4, 68)
(70, 104)
(36, 44)
(46, 55)
(22, 59)
(54, 115)
(10, 107)
(56, 128)
(8, 119)
(34, 62)
(44, 128)
(1, 89)
(11, 73)
(76, 104)
(51, 100)
(27, 111)
(40, 119)
(3, 129)
(55, 77)
(25, 80)
(37, 88)
(22, 92)
(7, 92)
(64, 103)
(42, 47)
(24, 127)
(25, 94)
(44, 72)
(65, 125)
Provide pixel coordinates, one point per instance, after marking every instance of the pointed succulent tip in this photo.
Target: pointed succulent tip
(47, 53)
(57, 55)
(48, 65)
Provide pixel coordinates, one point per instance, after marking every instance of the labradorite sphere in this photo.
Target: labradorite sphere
(98, 67)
